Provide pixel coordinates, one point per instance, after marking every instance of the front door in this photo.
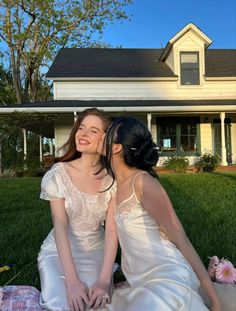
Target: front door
(217, 139)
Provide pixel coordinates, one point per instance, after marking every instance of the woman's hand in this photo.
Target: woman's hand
(98, 295)
(77, 295)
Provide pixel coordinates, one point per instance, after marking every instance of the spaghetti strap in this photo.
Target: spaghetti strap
(139, 173)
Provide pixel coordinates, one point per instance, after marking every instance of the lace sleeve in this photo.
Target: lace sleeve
(51, 187)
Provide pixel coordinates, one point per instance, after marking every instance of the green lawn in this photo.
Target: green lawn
(205, 203)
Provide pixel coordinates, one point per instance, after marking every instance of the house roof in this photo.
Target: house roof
(187, 28)
(127, 63)
(71, 63)
(119, 103)
(220, 63)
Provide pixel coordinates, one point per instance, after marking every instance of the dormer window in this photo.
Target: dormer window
(189, 68)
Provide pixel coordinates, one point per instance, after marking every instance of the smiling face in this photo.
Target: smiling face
(89, 134)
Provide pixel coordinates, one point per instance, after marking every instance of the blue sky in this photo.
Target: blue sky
(154, 22)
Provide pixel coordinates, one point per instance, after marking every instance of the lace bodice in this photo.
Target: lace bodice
(128, 209)
(86, 212)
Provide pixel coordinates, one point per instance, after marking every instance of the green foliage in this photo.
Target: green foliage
(31, 167)
(208, 217)
(207, 162)
(35, 30)
(177, 164)
(7, 93)
(11, 146)
(11, 141)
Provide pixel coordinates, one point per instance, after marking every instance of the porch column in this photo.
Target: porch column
(223, 149)
(149, 121)
(75, 116)
(50, 147)
(40, 148)
(25, 143)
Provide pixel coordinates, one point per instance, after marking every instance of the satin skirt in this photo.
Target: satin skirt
(159, 276)
(88, 258)
(159, 292)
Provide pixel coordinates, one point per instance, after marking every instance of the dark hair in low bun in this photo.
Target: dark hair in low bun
(139, 150)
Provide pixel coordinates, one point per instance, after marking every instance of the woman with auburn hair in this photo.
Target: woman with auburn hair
(159, 262)
(79, 191)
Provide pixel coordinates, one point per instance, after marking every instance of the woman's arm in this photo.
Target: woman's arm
(155, 200)
(77, 292)
(103, 283)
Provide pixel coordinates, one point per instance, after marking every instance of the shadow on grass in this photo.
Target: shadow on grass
(231, 176)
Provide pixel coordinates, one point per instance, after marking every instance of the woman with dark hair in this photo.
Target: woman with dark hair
(160, 264)
(72, 255)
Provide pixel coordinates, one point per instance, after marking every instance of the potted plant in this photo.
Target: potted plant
(207, 162)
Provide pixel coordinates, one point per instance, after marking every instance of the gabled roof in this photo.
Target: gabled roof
(128, 63)
(116, 63)
(207, 41)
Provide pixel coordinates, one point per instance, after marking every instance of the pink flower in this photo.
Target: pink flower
(225, 272)
(214, 261)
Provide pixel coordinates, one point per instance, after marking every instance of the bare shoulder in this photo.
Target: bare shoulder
(144, 183)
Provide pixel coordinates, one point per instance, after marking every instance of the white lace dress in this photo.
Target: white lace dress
(86, 214)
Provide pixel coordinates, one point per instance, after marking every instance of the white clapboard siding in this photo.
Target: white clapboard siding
(118, 90)
(233, 140)
(62, 132)
(170, 60)
(206, 137)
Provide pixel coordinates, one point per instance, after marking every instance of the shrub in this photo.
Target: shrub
(177, 164)
(30, 167)
(207, 162)
(8, 173)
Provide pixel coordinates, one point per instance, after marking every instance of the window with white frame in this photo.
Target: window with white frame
(189, 68)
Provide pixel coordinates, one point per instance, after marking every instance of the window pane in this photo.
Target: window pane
(168, 129)
(177, 133)
(189, 67)
(188, 129)
(188, 143)
(168, 143)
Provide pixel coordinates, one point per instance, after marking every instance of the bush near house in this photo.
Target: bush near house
(208, 217)
(176, 164)
(207, 162)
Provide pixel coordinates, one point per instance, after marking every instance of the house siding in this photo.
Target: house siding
(143, 90)
(206, 137)
(233, 140)
(170, 60)
(62, 132)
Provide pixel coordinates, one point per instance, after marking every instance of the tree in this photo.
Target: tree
(34, 30)
(7, 93)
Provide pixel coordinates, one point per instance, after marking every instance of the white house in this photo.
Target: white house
(186, 92)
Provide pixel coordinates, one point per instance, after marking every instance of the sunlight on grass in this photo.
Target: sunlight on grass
(205, 204)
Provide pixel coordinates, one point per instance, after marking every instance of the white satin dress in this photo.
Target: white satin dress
(86, 214)
(159, 276)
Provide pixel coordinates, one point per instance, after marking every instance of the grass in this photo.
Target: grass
(205, 204)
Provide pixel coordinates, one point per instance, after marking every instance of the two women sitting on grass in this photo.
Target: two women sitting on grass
(75, 263)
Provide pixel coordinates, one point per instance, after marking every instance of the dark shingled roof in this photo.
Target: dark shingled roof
(220, 63)
(71, 63)
(124, 103)
(127, 63)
